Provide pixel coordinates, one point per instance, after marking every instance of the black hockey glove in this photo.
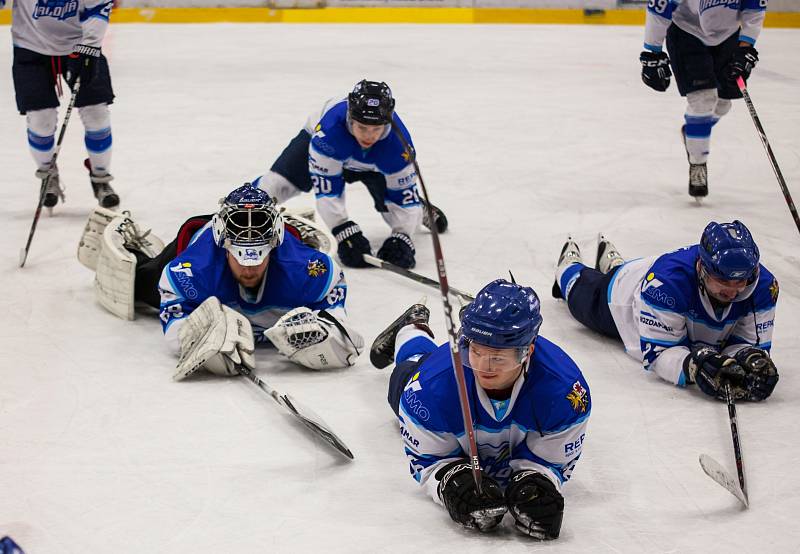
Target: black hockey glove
(761, 375)
(458, 494)
(398, 250)
(742, 62)
(655, 70)
(536, 505)
(711, 370)
(352, 244)
(82, 63)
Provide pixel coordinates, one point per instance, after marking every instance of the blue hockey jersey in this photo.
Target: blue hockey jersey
(660, 312)
(333, 149)
(297, 275)
(541, 427)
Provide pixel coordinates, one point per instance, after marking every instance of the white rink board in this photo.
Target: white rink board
(525, 134)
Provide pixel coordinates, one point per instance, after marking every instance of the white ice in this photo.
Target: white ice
(525, 134)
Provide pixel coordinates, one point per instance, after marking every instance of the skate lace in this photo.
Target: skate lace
(697, 175)
(133, 237)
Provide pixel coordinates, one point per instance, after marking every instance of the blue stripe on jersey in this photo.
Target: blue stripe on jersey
(749, 40)
(329, 263)
(667, 343)
(40, 143)
(652, 47)
(415, 347)
(98, 141)
(100, 11)
(753, 5)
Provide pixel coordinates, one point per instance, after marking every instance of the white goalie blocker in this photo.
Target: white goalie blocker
(216, 338)
(103, 245)
(316, 340)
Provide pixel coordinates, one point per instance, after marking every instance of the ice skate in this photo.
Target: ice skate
(438, 217)
(698, 175)
(607, 255)
(381, 354)
(105, 195)
(53, 191)
(136, 240)
(570, 254)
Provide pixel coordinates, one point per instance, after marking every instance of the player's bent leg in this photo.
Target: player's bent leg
(98, 140)
(277, 186)
(588, 301)
(699, 119)
(722, 108)
(292, 164)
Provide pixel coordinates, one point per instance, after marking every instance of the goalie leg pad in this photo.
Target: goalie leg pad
(217, 338)
(315, 340)
(92, 238)
(115, 273)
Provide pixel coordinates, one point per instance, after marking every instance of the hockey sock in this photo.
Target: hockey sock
(567, 276)
(97, 123)
(41, 135)
(700, 118)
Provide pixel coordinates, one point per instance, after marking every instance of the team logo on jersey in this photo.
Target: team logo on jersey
(579, 398)
(774, 290)
(650, 287)
(184, 268)
(316, 268)
(57, 9)
(406, 155)
(413, 384)
(183, 274)
(707, 4)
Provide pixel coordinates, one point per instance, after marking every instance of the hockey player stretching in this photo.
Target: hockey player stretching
(64, 38)
(710, 43)
(227, 280)
(529, 401)
(354, 139)
(701, 314)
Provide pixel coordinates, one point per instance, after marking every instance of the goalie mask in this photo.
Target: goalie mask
(248, 225)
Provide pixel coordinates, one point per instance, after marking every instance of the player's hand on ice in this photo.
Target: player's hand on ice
(712, 370)
(398, 250)
(761, 375)
(742, 62)
(82, 63)
(536, 505)
(655, 70)
(459, 495)
(352, 244)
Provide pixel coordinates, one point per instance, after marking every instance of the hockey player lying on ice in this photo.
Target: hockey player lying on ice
(529, 401)
(228, 280)
(701, 314)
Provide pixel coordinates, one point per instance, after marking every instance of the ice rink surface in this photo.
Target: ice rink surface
(524, 134)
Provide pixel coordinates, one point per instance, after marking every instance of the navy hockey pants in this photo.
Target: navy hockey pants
(588, 301)
(697, 66)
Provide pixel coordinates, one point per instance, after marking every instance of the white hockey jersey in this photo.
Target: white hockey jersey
(711, 21)
(55, 27)
(660, 312)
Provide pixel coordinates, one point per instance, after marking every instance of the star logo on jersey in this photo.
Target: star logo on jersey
(774, 290)
(406, 155)
(184, 268)
(578, 398)
(316, 268)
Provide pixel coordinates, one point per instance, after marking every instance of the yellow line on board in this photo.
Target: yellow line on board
(396, 15)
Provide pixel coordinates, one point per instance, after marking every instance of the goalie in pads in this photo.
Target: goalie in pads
(227, 282)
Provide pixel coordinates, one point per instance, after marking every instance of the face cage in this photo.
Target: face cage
(249, 233)
(521, 357)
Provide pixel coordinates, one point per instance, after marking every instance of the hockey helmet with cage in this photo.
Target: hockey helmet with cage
(727, 251)
(248, 225)
(503, 315)
(371, 103)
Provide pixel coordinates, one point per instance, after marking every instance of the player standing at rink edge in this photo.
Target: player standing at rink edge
(224, 277)
(64, 38)
(702, 314)
(530, 406)
(354, 139)
(710, 43)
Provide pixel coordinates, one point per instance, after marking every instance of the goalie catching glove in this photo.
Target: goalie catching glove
(216, 338)
(316, 340)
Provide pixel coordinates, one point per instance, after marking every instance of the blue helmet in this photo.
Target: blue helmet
(503, 315)
(728, 251)
(248, 224)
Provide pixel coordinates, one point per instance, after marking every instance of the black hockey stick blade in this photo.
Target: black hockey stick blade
(714, 469)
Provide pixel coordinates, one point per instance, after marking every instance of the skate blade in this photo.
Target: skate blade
(699, 200)
(49, 212)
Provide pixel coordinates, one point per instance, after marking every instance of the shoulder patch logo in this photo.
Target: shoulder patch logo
(406, 155)
(316, 268)
(578, 398)
(774, 290)
(184, 268)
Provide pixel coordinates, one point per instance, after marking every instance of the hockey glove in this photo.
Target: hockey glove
(536, 505)
(459, 495)
(655, 70)
(761, 375)
(398, 250)
(82, 63)
(742, 62)
(712, 370)
(352, 244)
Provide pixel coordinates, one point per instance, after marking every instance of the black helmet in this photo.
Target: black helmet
(371, 103)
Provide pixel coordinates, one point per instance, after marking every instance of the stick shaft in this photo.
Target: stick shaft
(382, 264)
(737, 447)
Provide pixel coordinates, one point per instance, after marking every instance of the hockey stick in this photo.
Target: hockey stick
(305, 415)
(715, 470)
(455, 355)
(763, 135)
(377, 262)
(23, 253)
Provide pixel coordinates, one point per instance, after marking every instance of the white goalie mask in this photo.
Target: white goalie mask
(248, 225)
